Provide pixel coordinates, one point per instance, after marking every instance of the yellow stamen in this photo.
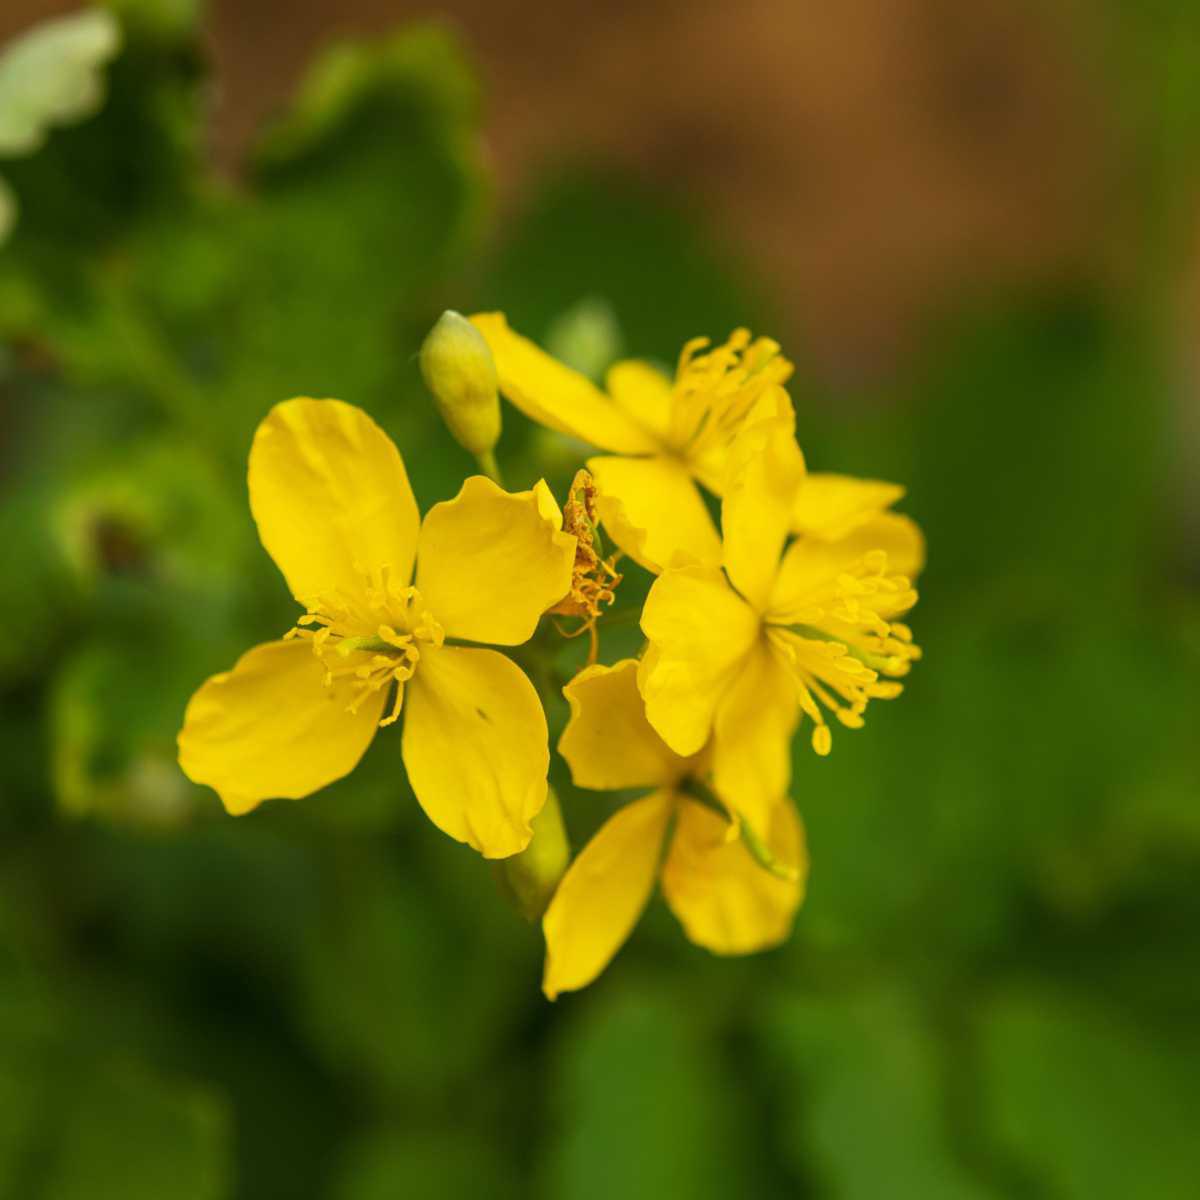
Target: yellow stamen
(716, 391)
(837, 640)
(374, 636)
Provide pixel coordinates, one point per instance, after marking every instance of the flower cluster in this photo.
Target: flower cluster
(788, 610)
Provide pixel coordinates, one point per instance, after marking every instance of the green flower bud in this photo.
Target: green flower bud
(459, 370)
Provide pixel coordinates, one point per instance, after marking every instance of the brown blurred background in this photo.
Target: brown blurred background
(871, 157)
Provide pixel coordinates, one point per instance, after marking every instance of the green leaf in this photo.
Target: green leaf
(323, 277)
(116, 710)
(643, 1104)
(863, 1104)
(422, 63)
(587, 337)
(587, 239)
(8, 210)
(437, 1164)
(1094, 1105)
(51, 76)
(132, 160)
(368, 194)
(396, 963)
(126, 1135)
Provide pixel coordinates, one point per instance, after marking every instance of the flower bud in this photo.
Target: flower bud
(530, 878)
(459, 370)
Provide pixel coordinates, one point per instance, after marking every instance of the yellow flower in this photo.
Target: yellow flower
(334, 509)
(665, 436)
(741, 654)
(723, 898)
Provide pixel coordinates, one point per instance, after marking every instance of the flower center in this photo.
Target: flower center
(716, 391)
(839, 638)
(374, 636)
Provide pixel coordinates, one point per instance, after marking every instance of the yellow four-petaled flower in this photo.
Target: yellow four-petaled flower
(740, 653)
(334, 509)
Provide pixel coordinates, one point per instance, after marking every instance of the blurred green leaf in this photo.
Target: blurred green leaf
(51, 75)
(117, 708)
(38, 602)
(1006, 770)
(365, 197)
(423, 62)
(93, 185)
(1095, 1106)
(395, 965)
(1037, 453)
(863, 1105)
(589, 237)
(127, 1136)
(587, 337)
(159, 511)
(642, 1105)
(434, 1165)
(8, 210)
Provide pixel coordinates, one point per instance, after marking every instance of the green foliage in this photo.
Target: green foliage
(124, 1136)
(864, 1098)
(1095, 1106)
(638, 1091)
(50, 76)
(440, 1165)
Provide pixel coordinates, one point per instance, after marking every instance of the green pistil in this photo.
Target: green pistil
(369, 645)
(698, 790)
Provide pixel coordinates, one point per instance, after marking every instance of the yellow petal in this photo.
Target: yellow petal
(608, 743)
(547, 505)
(708, 458)
(271, 728)
(554, 395)
(644, 393)
(603, 893)
(491, 562)
(831, 506)
(723, 899)
(811, 566)
(755, 721)
(331, 497)
(900, 537)
(475, 748)
(765, 471)
(652, 509)
(700, 632)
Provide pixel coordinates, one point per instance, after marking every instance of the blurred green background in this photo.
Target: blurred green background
(993, 987)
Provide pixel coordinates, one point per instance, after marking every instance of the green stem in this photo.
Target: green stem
(699, 791)
(621, 616)
(762, 855)
(489, 466)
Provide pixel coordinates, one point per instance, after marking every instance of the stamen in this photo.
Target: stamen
(391, 718)
(374, 636)
(593, 579)
(837, 640)
(715, 391)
